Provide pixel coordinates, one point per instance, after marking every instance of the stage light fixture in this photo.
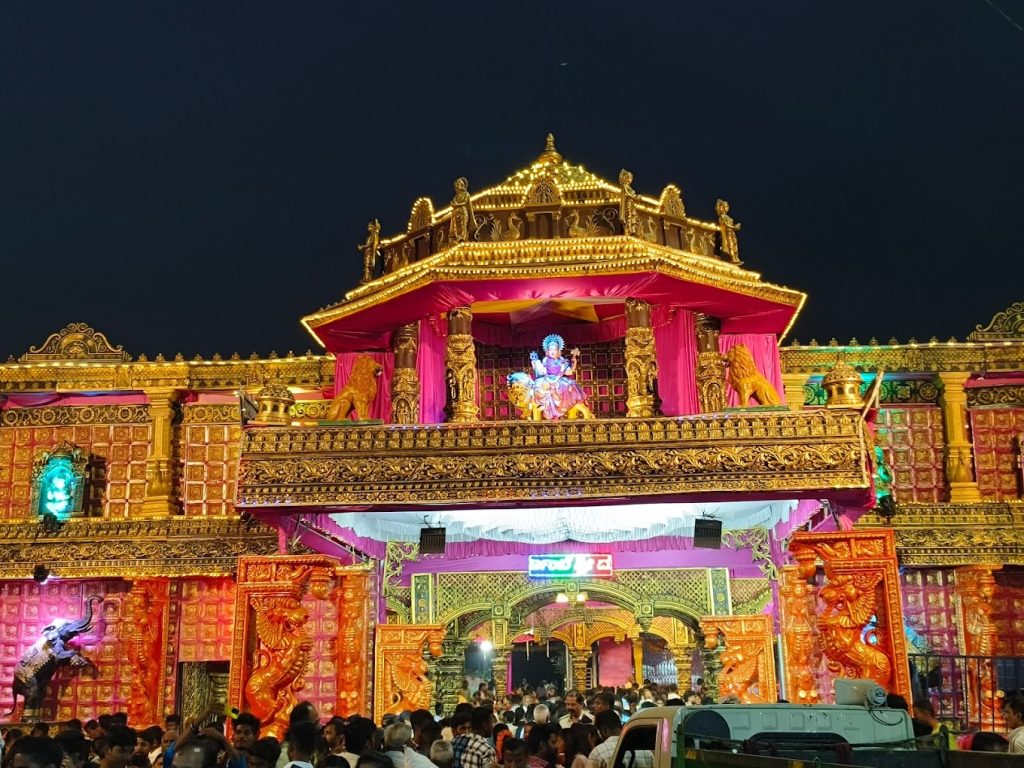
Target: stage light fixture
(707, 533)
(432, 541)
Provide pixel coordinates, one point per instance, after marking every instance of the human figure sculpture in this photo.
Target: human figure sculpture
(627, 204)
(369, 249)
(728, 229)
(462, 211)
(554, 393)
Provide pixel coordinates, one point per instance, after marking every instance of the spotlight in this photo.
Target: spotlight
(41, 573)
(486, 646)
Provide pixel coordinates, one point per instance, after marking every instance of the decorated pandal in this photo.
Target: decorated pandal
(582, 385)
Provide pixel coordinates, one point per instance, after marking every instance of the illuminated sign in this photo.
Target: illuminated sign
(569, 566)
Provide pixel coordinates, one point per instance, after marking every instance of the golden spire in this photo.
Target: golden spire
(550, 154)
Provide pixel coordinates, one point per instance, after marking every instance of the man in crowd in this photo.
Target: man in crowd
(264, 753)
(609, 726)
(245, 731)
(441, 754)
(924, 712)
(396, 746)
(574, 712)
(302, 737)
(195, 752)
(516, 753)
(543, 744)
(474, 749)
(603, 701)
(1013, 714)
(148, 744)
(121, 742)
(35, 752)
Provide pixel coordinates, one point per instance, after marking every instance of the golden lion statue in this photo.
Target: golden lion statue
(358, 392)
(523, 394)
(747, 380)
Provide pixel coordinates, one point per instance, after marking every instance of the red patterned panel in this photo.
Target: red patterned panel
(994, 431)
(211, 458)
(913, 441)
(27, 607)
(1008, 613)
(321, 675)
(124, 446)
(206, 619)
(929, 609)
(602, 374)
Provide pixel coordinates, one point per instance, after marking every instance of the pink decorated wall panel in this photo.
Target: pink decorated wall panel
(929, 608)
(994, 431)
(211, 460)
(124, 446)
(206, 618)
(912, 437)
(1008, 613)
(27, 607)
(320, 680)
(614, 662)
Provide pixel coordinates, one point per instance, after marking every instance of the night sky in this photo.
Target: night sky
(195, 177)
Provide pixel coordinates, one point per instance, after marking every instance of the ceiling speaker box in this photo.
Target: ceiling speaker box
(432, 541)
(707, 533)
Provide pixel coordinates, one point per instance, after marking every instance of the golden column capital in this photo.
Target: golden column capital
(959, 452)
(793, 384)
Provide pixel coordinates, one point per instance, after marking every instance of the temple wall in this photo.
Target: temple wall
(914, 445)
(929, 608)
(995, 432)
(210, 456)
(27, 432)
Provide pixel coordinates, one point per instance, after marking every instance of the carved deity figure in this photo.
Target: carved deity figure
(553, 393)
(359, 391)
(727, 231)
(370, 249)
(627, 204)
(976, 587)
(803, 650)
(279, 661)
(747, 380)
(462, 211)
(141, 633)
(850, 603)
(35, 669)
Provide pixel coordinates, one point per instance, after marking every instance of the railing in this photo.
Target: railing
(966, 691)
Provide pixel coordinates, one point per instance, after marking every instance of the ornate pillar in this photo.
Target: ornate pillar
(746, 656)
(499, 670)
(959, 459)
(400, 682)
(160, 498)
(405, 384)
(460, 367)
(793, 385)
(975, 588)
(638, 659)
(860, 618)
(710, 366)
(801, 646)
(141, 630)
(450, 671)
(709, 653)
(683, 655)
(580, 664)
(641, 360)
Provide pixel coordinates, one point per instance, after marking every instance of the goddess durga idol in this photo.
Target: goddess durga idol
(556, 388)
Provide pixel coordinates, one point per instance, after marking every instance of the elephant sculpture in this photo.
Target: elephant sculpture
(34, 671)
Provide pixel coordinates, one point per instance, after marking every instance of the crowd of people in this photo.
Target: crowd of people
(530, 728)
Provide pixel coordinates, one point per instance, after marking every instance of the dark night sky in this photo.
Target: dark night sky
(195, 177)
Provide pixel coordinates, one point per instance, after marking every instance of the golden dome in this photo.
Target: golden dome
(842, 386)
(550, 154)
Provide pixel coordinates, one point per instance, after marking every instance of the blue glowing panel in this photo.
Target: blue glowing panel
(58, 486)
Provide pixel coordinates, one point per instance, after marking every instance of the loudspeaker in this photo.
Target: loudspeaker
(707, 533)
(432, 541)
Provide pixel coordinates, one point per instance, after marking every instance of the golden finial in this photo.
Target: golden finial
(550, 154)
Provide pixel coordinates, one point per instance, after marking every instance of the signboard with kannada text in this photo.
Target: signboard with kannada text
(570, 566)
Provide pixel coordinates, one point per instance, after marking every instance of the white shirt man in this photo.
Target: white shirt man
(574, 711)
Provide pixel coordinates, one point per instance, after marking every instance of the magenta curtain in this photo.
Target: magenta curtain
(380, 408)
(765, 349)
(676, 342)
(430, 369)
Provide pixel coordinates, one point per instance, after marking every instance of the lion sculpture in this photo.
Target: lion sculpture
(358, 392)
(522, 393)
(747, 380)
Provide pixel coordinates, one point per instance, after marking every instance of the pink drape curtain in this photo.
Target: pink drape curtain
(380, 408)
(430, 369)
(765, 349)
(676, 343)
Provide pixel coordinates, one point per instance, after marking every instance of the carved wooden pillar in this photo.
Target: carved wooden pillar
(638, 659)
(801, 657)
(861, 582)
(405, 384)
(793, 385)
(580, 660)
(709, 652)
(683, 655)
(499, 670)
(460, 367)
(276, 641)
(142, 630)
(975, 588)
(641, 360)
(959, 457)
(160, 498)
(746, 658)
(400, 678)
(710, 366)
(450, 670)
